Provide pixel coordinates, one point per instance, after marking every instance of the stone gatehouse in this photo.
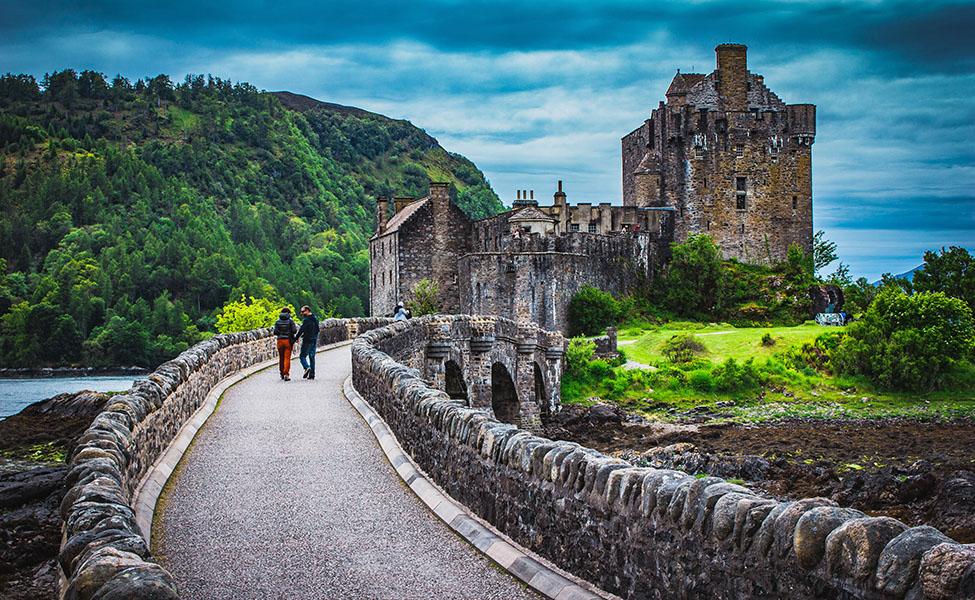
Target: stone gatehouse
(724, 156)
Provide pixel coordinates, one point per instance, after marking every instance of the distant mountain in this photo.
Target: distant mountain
(908, 275)
(132, 212)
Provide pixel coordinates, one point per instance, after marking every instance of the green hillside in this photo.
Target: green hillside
(132, 212)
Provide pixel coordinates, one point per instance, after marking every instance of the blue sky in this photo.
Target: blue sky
(537, 92)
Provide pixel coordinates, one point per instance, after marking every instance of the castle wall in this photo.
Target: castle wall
(533, 278)
(383, 274)
(414, 254)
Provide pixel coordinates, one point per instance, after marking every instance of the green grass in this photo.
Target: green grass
(719, 346)
(668, 394)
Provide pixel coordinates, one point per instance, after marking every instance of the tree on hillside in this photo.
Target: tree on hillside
(591, 310)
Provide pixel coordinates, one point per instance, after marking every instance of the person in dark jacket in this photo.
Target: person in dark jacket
(285, 330)
(308, 333)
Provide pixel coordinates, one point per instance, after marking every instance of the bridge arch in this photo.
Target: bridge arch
(541, 398)
(455, 383)
(504, 397)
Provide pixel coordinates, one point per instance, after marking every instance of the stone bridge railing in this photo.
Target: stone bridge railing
(636, 532)
(103, 554)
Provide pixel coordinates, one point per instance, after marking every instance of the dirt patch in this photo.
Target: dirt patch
(918, 472)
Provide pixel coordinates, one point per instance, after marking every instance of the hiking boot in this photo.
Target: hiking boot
(310, 377)
(307, 371)
(286, 378)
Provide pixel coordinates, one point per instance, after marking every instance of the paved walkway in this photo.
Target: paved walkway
(285, 494)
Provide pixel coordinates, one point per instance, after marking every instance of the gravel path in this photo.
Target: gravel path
(285, 494)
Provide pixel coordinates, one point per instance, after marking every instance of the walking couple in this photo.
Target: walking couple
(288, 334)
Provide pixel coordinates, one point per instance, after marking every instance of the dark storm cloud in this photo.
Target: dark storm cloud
(932, 35)
(535, 92)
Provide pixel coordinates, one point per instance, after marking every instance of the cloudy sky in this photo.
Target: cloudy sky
(536, 92)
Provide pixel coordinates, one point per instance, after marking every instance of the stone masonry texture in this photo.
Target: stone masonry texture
(732, 160)
(642, 532)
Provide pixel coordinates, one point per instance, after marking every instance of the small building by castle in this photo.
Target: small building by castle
(723, 156)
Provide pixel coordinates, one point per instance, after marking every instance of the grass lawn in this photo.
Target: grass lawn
(721, 341)
(788, 393)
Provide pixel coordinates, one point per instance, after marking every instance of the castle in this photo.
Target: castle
(723, 156)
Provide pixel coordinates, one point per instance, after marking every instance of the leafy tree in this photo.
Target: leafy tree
(859, 295)
(425, 300)
(951, 272)
(907, 342)
(694, 279)
(591, 310)
(824, 251)
(798, 267)
(249, 313)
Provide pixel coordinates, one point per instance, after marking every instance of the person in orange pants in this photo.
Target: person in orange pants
(285, 330)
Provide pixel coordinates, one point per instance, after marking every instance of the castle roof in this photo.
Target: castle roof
(529, 213)
(403, 216)
(683, 82)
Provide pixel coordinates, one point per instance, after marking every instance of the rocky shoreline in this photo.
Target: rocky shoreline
(31, 490)
(25, 373)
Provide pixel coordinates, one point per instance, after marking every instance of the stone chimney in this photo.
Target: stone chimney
(560, 196)
(382, 205)
(400, 202)
(440, 195)
(524, 200)
(733, 76)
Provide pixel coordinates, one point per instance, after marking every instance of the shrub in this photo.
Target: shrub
(577, 357)
(730, 376)
(767, 339)
(701, 380)
(681, 347)
(592, 310)
(907, 342)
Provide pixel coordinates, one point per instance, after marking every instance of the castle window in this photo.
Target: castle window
(740, 192)
(739, 151)
(574, 227)
(742, 228)
(795, 202)
(592, 228)
(698, 152)
(709, 225)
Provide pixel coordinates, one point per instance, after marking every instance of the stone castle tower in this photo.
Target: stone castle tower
(731, 159)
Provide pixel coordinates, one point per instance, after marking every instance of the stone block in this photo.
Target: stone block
(853, 549)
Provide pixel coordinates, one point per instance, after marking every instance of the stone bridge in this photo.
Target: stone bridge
(512, 369)
(461, 395)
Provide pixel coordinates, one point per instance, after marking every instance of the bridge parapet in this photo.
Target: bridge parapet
(636, 532)
(103, 553)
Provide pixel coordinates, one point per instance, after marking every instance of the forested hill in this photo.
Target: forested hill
(132, 212)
